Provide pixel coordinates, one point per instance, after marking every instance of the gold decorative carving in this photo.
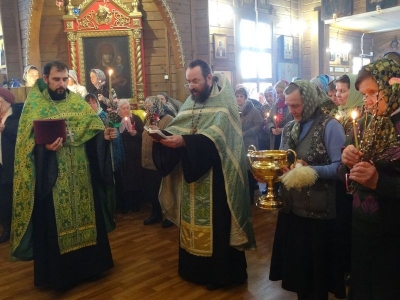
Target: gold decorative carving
(135, 5)
(120, 20)
(103, 15)
(86, 3)
(176, 32)
(72, 40)
(137, 33)
(28, 39)
(136, 23)
(70, 8)
(82, 70)
(69, 25)
(138, 54)
(87, 22)
(71, 37)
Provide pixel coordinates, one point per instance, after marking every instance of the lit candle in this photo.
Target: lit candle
(110, 71)
(267, 114)
(354, 116)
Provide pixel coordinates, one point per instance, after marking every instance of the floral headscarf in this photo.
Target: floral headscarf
(157, 105)
(380, 133)
(312, 96)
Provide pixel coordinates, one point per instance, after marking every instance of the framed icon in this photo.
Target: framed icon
(220, 51)
(288, 47)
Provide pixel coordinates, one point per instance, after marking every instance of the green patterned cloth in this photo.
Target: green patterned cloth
(220, 122)
(72, 195)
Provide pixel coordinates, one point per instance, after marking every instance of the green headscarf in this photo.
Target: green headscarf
(355, 98)
(312, 96)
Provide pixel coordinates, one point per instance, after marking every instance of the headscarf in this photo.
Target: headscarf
(125, 122)
(26, 70)
(93, 96)
(157, 105)
(312, 96)
(7, 95)
(241, 91)
(270, 90)
(380, 133)
(101, 77)
(321, 81)
(355, 98)
(281, 85)
(73, 75)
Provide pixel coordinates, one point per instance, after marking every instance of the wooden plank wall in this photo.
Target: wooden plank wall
(309, 66)
(11, 36)
(197, 37)
(288, 13)
(382, 42)
(23, 14)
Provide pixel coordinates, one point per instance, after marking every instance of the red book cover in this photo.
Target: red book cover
(47, 131)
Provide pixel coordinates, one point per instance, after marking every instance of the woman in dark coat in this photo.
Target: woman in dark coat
(131, 181)
(10, 113)
(251, 126)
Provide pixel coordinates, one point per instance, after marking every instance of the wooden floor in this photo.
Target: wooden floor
(146, 262)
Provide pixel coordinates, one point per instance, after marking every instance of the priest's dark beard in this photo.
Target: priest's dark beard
(58, 94)
(203, 94)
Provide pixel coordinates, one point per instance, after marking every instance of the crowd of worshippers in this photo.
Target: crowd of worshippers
(334, 242)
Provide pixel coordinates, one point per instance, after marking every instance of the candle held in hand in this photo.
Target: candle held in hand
(354, 116)
(110, 72)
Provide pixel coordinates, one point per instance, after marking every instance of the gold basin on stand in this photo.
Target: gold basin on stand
(266, 166)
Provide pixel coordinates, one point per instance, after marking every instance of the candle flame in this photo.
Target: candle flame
(354, 114)
(126, 118)
(110, 72)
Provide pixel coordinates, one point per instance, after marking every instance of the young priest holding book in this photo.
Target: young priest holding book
(57, 217)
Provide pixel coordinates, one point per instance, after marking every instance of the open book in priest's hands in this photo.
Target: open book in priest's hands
(155, 133)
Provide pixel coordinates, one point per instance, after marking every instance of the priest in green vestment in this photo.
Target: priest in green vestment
(205, 188)
(57, 217)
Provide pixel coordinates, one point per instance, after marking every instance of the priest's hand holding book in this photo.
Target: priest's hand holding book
(57, 145)
(155, 133)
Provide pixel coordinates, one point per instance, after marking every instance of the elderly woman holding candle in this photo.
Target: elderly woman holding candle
(374, 171)
(279, 115)
(130, 182)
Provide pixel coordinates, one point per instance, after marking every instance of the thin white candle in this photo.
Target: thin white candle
(354, 116)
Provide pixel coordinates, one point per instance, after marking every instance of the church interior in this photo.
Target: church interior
(253, 42)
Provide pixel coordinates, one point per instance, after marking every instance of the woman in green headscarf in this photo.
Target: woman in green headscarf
(374, 169)
(304, 253)
(349, 100)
